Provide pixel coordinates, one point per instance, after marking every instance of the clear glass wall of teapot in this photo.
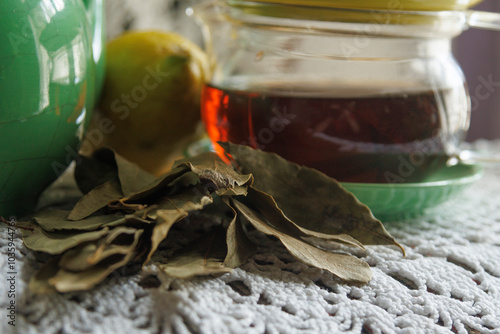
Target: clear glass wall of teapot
(363, 95)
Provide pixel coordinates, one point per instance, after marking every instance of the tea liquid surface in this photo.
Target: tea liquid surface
(390, 138)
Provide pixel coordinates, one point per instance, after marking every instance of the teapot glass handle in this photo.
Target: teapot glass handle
(477, 156)
(483, 20)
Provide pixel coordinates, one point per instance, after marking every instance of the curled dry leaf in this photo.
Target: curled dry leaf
(82, 268)
(58, 242)
(126, 214)
(239, 246)
(96, 199)
(57, 220)
(158, 188)
(344, 266)
(76, 259)
(106, 165)
(85, 256)
(209, 166)
(66, 281)
(96, 170)
(172, 210)
(132, 178)
(39, 283)
(273, 214)
(309, 198)
(205, 256)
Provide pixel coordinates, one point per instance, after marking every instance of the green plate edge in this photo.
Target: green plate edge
(407, 200)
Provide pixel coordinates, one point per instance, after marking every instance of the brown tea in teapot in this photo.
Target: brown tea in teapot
(375, 138)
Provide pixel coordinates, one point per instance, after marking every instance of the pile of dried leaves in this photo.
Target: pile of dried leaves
(126, 213)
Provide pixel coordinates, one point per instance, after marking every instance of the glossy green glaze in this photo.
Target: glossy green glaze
(407, 200)
(51, 68)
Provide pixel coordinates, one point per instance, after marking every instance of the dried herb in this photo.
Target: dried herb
(54, 220)
(239, 246)
(309, 198)
(93, 171)
(126, 214)
(346, 267)
(96, 199)
(205, 256)
(58, 242)
(174, 209)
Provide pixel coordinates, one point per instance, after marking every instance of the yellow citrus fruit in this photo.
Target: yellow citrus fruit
(150, 106)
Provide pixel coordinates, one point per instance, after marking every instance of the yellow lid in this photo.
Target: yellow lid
(386, 12)
(404, 5)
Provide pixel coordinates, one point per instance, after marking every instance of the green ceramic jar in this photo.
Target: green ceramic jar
(51, 69)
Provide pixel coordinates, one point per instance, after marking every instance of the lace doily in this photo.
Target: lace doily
(448, 283)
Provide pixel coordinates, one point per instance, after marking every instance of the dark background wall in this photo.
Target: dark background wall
(478, 52)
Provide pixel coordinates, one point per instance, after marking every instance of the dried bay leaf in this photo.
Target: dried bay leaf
(66, 281)
(344, 266)
(186, 180)
(158, 188)
(117, 237)
(236, 191)
(161, 229)
(39, 283)
(76, 259)
(129, 180)
(85, 256)
(131, 220)
(309, 198)
(273, 214)
(127, 215)
(58, 242)
(96, 199)
(132, 178)
(205, 256)
(172, 210)
(211, 167)
(121, 205)
(183, 181)
(96, 170)
(106, 165)
(239, 246)
(57, 220)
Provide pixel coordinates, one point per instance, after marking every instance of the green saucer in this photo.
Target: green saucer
(393, 201)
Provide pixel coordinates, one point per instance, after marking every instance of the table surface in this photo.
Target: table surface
(449, 282)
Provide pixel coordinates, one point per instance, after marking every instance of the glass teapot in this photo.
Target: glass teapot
(363, 94)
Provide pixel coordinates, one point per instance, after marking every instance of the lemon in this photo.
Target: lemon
(150, 106)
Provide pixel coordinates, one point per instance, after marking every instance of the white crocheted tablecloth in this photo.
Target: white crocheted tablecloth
(448, 283)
